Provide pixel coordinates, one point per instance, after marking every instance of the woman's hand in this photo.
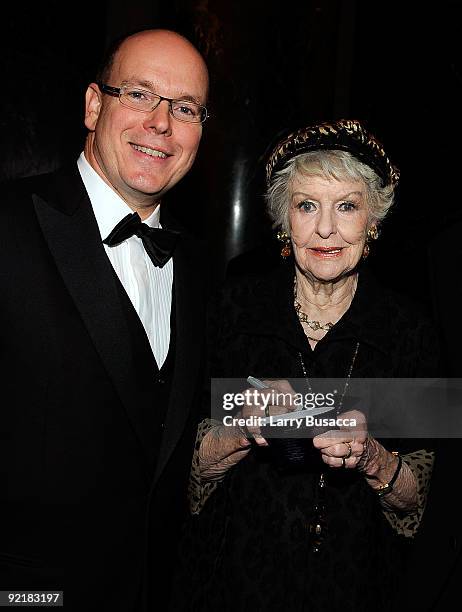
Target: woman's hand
(344, 447)
(278, 399)
(352, 447)
(223, 447)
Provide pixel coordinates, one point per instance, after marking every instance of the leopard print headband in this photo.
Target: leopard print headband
(344, 134)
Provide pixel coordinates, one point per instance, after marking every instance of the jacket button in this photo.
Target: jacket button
(160, 381)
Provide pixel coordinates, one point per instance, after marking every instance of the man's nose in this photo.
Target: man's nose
(326, 224)
(159, 119)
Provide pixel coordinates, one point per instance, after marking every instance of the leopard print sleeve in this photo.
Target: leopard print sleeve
(421, 464)
(198, 491)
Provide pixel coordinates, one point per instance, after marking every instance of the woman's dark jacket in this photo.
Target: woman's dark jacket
(249, 548)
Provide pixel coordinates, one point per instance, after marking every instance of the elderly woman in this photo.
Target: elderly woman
(331, 533)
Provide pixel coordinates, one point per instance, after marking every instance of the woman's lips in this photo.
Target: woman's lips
(326, 252)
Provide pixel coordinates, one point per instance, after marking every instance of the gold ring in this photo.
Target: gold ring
(349, 450)
(343, 462)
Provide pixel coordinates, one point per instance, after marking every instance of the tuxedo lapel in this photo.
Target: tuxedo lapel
(189, 297)
(68, 224)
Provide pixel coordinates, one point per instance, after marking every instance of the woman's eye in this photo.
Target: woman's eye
(347, 206)
(306, 206)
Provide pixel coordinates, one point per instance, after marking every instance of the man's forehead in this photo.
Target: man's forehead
(151, 64)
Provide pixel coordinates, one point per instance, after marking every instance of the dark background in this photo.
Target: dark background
(274, 66)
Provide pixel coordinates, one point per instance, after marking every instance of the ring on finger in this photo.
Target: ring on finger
(343, 462)
(348, 445)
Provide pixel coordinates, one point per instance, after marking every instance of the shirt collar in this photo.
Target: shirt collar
(108, 207)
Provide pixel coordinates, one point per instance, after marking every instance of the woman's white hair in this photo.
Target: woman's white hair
(335, 164)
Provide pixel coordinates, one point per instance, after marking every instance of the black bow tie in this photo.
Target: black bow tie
(158, 243)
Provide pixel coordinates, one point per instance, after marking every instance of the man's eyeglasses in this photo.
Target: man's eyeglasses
(145, 101)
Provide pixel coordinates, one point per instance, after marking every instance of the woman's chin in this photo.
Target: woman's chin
(326, 273)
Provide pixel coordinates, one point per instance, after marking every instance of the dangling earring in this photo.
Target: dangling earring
(284, 237)
(372, 234)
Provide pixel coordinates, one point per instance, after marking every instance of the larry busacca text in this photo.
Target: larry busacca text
(286, 421)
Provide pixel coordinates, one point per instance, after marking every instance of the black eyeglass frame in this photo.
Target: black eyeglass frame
(118, 92)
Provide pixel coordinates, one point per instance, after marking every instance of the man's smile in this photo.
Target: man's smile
(149, 151)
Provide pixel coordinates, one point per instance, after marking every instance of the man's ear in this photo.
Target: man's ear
(92, 106)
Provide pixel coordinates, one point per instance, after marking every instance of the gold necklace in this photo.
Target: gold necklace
(304, 318)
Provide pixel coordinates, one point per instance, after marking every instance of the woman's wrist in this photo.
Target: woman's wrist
(389, 476)
(377, 463)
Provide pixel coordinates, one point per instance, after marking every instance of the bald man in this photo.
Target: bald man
(101, 342)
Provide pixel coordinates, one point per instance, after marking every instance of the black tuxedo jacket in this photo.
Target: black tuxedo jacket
(94, 454)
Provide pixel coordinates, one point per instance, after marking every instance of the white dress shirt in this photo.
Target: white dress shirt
(148, 287)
